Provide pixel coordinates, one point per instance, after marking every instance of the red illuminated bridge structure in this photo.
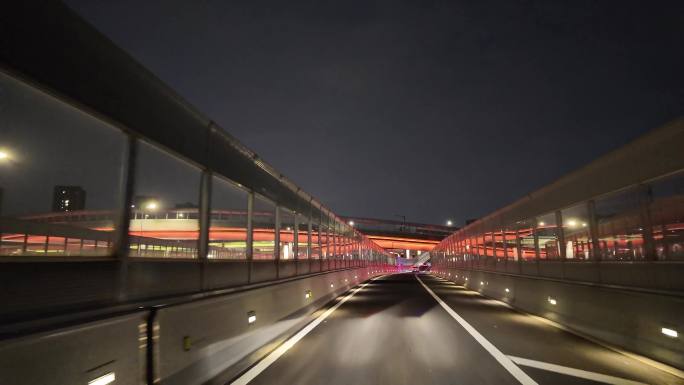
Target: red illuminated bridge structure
(165, 230)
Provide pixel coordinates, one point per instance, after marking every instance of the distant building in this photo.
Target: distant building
(68, 198)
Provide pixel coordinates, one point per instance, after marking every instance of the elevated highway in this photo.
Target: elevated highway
(188, 259)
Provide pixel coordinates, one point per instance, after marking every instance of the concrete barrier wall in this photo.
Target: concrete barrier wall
(194, 342)
(201, 340)
(78, 354)
(38, 289)
(628, 319)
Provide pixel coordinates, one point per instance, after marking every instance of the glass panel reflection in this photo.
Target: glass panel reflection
(264, 229)
(228, 223)
(619, 226)
(302, 237)
(60, 176)
(576, 232)
(287, 229)
(165, 208)
(547, 233)
(667, 217)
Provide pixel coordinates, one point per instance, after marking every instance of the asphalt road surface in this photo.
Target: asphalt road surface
(394, 330)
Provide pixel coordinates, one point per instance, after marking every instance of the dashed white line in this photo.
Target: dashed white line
(506, 362)
(282, 349)
(587, 375)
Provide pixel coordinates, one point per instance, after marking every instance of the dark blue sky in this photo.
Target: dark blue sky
(431, 110)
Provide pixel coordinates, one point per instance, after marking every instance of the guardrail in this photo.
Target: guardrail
(127, 145)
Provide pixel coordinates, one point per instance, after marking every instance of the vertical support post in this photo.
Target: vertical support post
(496, 260)
(518, 250)
(249, 252)
(561, 235)
(535, 236)
(309, 229)
(469, 249)
(121, 238)
(561, 241)
(204, 223)
(295, 239)
(2, 191)
(334, 243)
(327, 242)
(320, 241)
(24, 245)
(593, 231)
(504, 243)
(276, 246)
(645, 199)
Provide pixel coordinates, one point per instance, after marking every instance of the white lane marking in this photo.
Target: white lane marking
(506, 362)
(282, 349)
(598, 377)
(642, 359)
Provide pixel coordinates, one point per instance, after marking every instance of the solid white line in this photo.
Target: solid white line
(506, 362)
(642, 359)
(598, 377)
(282, 349)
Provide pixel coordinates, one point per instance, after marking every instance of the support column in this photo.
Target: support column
(249, 255)
(320, 244)
(561, 241)
(504, 244)
(518, 250)
(645, 199)
(536, 243)
(121, 238)
(593, 230)
(561, 235)
(309, 229)
(295, 241)
(204, 222)
(1, 227)
(334, 244)
(496, 261)
(276, 246)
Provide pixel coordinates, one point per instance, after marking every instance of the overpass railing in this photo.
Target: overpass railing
(113, 188)
(618, 221)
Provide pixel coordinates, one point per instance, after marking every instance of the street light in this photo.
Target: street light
(351, 223)
(6, 155)
(449, 222)
(151, 206)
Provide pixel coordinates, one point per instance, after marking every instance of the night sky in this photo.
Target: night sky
(431, 110)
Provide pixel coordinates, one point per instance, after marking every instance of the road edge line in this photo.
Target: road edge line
(267, 361)
(503, 359)
(574, 372)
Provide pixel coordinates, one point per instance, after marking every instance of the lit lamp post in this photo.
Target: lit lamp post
(5, 157)
(149, 206)
(449, 222)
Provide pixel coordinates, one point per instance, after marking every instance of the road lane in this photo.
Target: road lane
(392, 331)
(385, 334)
(524, 336)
